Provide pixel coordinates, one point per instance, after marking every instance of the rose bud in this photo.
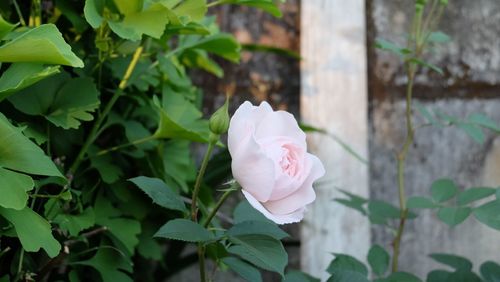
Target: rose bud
(219, 121)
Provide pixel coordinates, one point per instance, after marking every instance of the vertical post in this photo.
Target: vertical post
(334, 97)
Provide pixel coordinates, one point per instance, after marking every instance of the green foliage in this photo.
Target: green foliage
(184, 230)
(378, 259)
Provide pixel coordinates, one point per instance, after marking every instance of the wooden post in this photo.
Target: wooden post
(334, 97)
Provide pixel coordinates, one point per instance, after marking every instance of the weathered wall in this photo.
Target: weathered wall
(471, 84)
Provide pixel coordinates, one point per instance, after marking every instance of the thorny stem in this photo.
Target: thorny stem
(97, 125)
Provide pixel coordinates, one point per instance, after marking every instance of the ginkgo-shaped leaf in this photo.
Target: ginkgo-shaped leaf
(43, 44)
(62, 100)
(110, 264)
(19, 154)
(33, 231)
(179, 118)
(21, 75)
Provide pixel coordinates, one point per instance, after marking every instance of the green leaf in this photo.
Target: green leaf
(110, 264)
(128, 6)
(245, 212)
(473, 194)
(453, 215)
(106, 167)
(124, 230)
(13, 188)
(380, 211)
(428, 65)
(268, 6)
(474, 131)
(343, 263)
(72, 14)
(178, 163)
(149, 247)
(354, 202)
(180, 119)
(196, 58)
(184, 230)
(439, 37)
(92, 11)
(420, 203)
(464, 276)
(261, 250)
(33, 231)
(151, 21)
(21, 75)
(443, 190)
(299, 276)
(5, 27)
(221, 44)
(20, 154)
(484, 121)
(391, 47)
(489, 214)
(63, 101)
(74, 224)
(400, 277)
(245, 270)
(347, 276)
(50, 48)
(257, 227)
(378, 258)
(490, 271)
(159, 192)
(426, 114)
(270, 49)
(456, 262)
(195, 10)
(438, 276)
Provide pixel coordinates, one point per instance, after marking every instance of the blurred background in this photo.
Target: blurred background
(346, 86)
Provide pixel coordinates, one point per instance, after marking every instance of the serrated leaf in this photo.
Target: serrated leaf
(245, 212)
(159, 192)
(111, 265)
(261, 250)
(13, 188)
(456, 262)
(453, 215)
(50, 48)
(245, 270)
(443, 190)
(490, 271)
(420, 203)
(474, 194)
(21, 75)
(33, 231)
(380, 211)
(378, 258)
(257, 227)
(489, 214)
(184, 230)
(343, 263)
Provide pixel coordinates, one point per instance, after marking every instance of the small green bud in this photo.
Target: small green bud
(219, 122)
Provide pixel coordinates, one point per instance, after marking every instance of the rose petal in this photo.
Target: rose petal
(252, 169)
(281, 123)
(293, 217)
(303, 196)
(245, 118)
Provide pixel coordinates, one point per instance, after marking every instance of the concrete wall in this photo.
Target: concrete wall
(471, 84)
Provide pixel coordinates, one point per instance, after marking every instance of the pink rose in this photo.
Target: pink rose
(271, 163)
